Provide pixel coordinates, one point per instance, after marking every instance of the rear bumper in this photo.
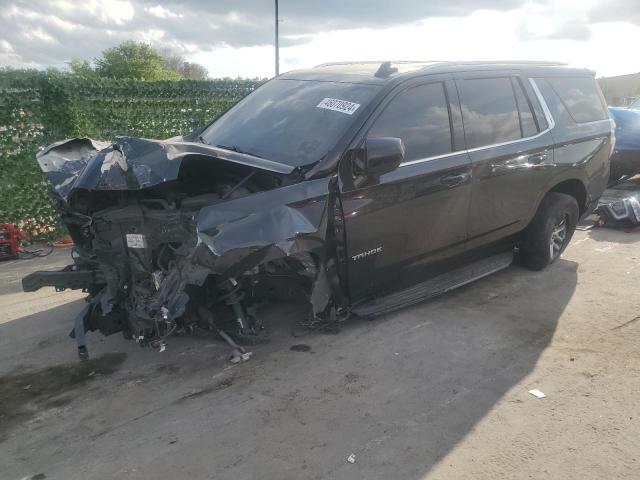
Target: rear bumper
(624, 162)
(67, 278)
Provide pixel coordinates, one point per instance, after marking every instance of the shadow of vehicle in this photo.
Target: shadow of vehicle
(399, 392)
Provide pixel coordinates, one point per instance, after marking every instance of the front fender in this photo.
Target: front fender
(254, 229)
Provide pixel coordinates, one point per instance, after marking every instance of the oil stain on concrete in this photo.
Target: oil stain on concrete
(24, 392)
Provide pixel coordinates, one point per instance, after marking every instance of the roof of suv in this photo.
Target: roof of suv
(383, 72)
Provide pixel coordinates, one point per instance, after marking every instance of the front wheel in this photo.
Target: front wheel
(550, 231)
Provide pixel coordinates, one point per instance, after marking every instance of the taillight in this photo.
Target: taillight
(612, 146)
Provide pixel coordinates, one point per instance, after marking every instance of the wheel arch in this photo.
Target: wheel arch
(574, 188)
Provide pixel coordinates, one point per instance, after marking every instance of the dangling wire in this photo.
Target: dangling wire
(40, 252)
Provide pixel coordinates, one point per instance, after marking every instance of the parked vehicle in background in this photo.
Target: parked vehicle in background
(362, 187)
(625, 161)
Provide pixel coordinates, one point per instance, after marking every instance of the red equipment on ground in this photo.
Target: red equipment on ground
(10, 238)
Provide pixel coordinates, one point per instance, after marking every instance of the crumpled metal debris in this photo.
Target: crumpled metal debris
(619, 207)
(137, 221)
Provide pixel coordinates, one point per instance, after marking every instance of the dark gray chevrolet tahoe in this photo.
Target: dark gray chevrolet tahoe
(357, 187)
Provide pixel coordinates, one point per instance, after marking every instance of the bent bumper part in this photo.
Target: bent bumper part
(63, 279)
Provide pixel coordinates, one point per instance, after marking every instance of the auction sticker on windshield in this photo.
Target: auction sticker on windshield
(135, 240)
(338, 105)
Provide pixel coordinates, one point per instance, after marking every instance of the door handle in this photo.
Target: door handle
(521, 162)
(537, 158)
(454, 180)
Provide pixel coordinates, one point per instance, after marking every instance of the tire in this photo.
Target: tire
(550, 231)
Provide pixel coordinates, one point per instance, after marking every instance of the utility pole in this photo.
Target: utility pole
(277, 44)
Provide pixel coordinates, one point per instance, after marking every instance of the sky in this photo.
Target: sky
(234, 38)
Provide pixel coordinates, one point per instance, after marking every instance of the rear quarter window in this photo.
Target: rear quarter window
(580, 96)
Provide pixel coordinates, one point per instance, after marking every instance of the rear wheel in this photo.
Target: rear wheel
(550, 231)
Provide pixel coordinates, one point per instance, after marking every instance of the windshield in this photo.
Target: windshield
(295, 122)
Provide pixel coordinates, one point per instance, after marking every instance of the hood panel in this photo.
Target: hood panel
(130, 163)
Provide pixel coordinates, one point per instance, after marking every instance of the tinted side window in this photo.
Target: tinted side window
(420, 117)
(489, 111)
(527, 120)
(580, 97)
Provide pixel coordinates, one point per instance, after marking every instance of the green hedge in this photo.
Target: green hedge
(38, 108)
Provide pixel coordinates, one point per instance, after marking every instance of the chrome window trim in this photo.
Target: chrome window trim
(510, 142)
(550, 125)
(435, 157)
(545, 108)
(593, 122)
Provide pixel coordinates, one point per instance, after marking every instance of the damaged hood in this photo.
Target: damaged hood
(130, 163)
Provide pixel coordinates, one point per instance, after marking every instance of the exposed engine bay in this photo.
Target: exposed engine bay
(173, 236)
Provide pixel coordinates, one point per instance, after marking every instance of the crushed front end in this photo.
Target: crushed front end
(173, 236)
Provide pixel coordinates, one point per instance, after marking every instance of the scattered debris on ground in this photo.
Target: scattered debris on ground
(619, 206)
(537, 393)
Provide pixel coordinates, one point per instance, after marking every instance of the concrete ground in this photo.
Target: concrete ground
(436, 391)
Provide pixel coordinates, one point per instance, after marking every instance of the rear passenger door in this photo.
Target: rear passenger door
(511, 152)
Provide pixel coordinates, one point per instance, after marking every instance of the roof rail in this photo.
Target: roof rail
(371, 62)
(550, 63)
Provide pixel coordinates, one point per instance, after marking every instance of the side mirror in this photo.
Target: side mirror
(381, 155)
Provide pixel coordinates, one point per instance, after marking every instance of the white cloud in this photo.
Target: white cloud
(563, 19)
(484, 35)
(161, 12)
(117, 11)
(151, 36)
(231, 62)
(40, 35)
(234, 37)
(5, 47)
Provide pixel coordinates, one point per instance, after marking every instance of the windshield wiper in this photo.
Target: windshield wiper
(234, 148)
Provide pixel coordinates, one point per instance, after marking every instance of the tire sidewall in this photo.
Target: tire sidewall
(537, 236)
(554, 217)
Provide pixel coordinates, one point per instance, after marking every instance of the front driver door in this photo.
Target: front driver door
(406, 220)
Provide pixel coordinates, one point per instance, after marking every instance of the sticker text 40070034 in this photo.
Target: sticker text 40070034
(337, 105)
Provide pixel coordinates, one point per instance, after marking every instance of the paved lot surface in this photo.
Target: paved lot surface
(436, 391)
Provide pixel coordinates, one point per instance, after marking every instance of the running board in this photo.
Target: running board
(435, 286)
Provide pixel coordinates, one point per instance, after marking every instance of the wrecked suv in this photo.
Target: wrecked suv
(359, 188)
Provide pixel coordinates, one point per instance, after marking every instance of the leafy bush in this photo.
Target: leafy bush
(38, 108)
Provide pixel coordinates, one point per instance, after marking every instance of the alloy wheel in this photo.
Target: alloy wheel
(558, 236)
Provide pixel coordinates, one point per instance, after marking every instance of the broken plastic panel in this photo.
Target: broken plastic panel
(619, 207)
